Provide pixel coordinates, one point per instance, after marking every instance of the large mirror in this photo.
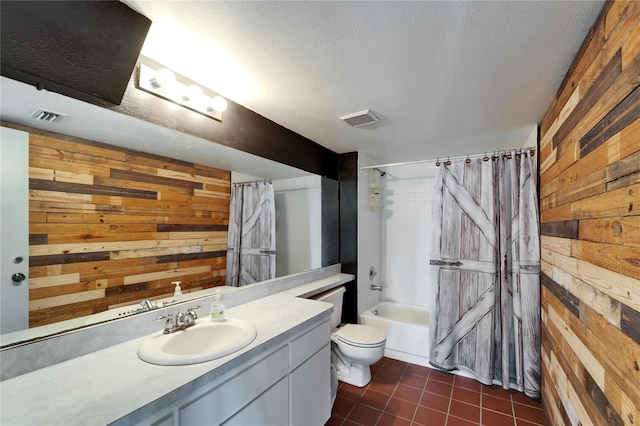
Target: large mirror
(297, 193)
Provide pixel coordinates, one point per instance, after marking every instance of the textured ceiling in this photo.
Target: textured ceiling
(446, 78)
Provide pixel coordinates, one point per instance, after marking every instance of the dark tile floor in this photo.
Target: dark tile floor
(407, 394)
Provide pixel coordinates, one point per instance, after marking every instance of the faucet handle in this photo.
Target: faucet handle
(191, 312)
(147, 305)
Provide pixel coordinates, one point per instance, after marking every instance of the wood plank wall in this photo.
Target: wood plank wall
(111, 227)
(590, 226)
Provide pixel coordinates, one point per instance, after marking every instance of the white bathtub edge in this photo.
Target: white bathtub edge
(410, 358)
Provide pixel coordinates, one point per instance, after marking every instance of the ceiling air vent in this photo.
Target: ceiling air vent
(47, 116)
(358, 119)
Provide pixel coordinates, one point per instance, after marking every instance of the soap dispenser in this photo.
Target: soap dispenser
(177, 293)
(217, 307)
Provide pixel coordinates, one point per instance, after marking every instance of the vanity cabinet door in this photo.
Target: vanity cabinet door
(165, 421)
(217, 405)
(269, 409)
(310, 390)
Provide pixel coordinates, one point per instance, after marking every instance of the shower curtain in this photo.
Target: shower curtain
(485, 265)
(251, 241)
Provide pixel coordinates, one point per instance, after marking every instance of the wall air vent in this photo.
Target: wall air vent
(358, 119)
(47, 116)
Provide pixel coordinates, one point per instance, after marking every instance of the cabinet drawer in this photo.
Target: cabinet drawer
(220, 403)
(266, 410)
(309, 343)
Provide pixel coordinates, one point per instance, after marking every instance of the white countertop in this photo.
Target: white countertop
(106, 385)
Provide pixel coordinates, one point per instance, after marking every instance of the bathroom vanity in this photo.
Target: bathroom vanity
(285, 384)
(282, 377)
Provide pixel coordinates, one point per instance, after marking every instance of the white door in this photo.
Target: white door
(14, 230)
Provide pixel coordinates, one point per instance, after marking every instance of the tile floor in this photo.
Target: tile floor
(406, 394)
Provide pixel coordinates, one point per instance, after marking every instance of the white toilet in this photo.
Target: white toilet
(354, 347)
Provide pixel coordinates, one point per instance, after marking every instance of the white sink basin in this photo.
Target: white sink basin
(204, 341)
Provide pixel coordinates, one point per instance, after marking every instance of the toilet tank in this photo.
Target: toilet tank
(333, 296)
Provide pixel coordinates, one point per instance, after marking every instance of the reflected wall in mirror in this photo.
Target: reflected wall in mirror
(110, 227)
(298, 224)
(298, 203)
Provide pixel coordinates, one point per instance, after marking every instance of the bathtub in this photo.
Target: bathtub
(407, 329)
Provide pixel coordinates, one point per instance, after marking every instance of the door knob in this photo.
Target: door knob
(17, 278)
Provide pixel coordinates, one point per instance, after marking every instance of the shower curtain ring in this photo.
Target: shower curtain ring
(437, 162)
(448, 162)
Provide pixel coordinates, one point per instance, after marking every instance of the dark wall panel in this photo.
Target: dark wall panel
(330, 222)
(83, 49)
(349, 230)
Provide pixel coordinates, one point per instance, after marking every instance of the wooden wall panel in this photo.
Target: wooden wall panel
(590, 229)
(111, 227)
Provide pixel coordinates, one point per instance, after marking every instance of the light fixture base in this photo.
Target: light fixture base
(178, 93)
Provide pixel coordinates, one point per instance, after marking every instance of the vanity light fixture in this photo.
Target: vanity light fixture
(162, 78)
(159, 81)
(218, 103)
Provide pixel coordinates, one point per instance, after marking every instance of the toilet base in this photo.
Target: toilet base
(358, 375)
(354, 374)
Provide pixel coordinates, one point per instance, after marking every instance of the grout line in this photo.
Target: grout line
(481, 408)
(424, 386)
(449, 407)
(392, 392)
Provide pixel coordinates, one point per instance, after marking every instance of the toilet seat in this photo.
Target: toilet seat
(362, 336)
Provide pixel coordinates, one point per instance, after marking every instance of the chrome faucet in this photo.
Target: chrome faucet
(169, 325)
(147, 305)
(181, 321)
(376, 287)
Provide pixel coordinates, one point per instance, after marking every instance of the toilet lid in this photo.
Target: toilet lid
(360, 335)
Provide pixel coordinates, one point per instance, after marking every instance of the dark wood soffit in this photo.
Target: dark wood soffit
(241, 129)
(86, 50)
(348, 166)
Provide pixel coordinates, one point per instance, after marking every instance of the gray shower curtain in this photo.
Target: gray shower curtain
(485, 266)
(251, 241)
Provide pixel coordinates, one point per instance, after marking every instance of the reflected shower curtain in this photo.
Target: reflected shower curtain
(485, 266)
(251, 241)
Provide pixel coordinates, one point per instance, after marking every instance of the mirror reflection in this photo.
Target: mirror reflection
(297, 221)
(110, 226)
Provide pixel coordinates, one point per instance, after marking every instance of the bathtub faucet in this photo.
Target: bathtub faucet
(376, 287)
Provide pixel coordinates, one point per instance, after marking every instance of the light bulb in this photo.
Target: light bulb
(192, 93)
(218, 104)
(163, 78)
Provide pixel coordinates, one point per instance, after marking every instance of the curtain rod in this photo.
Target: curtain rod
(459, 157)
(250, 182)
